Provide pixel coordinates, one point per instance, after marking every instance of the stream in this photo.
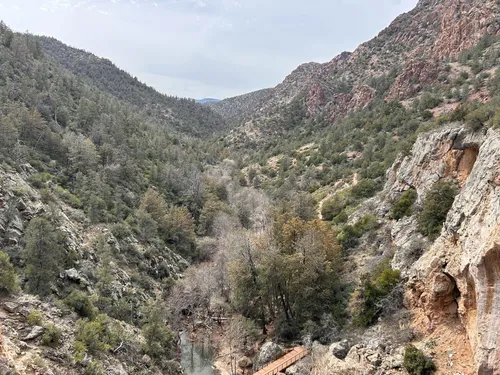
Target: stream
(196, 356)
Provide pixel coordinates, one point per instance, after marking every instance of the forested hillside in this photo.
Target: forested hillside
(180, 114)
(81, 216)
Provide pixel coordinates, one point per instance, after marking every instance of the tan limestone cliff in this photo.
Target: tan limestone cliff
(456, 283)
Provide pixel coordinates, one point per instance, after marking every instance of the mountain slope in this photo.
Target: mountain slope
(395, 65)
(241, 107)
(177, 113)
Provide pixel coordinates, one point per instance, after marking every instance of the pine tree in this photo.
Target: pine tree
(43, 255)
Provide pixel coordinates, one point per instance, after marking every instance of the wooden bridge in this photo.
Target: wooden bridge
(284, 362)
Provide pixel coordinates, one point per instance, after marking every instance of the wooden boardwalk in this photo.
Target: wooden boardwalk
(284, 362)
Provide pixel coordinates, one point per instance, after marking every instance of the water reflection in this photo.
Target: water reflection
(196, 356)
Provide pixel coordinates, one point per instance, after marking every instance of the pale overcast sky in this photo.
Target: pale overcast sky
(207, 48)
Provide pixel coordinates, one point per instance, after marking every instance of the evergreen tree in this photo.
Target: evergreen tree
(43, 255)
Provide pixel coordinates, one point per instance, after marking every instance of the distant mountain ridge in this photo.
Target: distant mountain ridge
(207, 100)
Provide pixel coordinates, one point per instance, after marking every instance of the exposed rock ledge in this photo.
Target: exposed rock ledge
(458, 278)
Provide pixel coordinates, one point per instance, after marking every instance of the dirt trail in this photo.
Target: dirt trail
(320, 205)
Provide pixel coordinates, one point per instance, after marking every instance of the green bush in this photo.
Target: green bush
(479, 118)
(160, 343)
(350, 234)
(403, 207)
(67, 197)
(52, 336)
(35, 318)
(494, 84)
(416, 363)
(341, 218)
(82, 304)
(374, 288)
(335, 206)
(428, 101)
(94, 368)
(95, 336)
(364, 189)
(8, 277)
(40, 179)
(427, 115)
(436, 206)
(121, 230)
(366, 224)
(348, 237)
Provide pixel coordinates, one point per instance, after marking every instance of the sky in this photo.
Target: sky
(207, 48)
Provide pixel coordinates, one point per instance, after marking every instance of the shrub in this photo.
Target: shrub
(350, 234)
(94, 368)
(52, 336)
(341, 218)
(494, 84)
(403, 207)
(95, 336)
(416, 363)
(436, 206)
(44, 255)
(335, 206)
(81, 304)
(348, 237)
(160, 343)
(427, 115)
(366, 224)
(8, 277)
(40, 179)
(121, 230)
(478, 118)
(428, 101)
(35, 318)
(374, 288)
(364, 189)
(67, 197)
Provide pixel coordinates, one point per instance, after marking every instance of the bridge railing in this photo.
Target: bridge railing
(274, 369)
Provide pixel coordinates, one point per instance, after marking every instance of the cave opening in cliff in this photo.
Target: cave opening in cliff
(456, 294)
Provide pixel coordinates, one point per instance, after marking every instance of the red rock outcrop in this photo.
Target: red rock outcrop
(415, 74)
(462, 23)
(316, 99)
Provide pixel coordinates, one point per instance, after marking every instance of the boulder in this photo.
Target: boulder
(10, 307)
(35, 332)
(75, 276)
(395, 360)
(245, 362)
(268, 353)
(340, 349)
(303, 367)
(364, 356)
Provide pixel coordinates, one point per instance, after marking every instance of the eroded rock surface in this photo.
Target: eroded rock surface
(457, 280)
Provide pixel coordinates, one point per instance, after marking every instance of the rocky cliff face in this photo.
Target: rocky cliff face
(455, 283)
